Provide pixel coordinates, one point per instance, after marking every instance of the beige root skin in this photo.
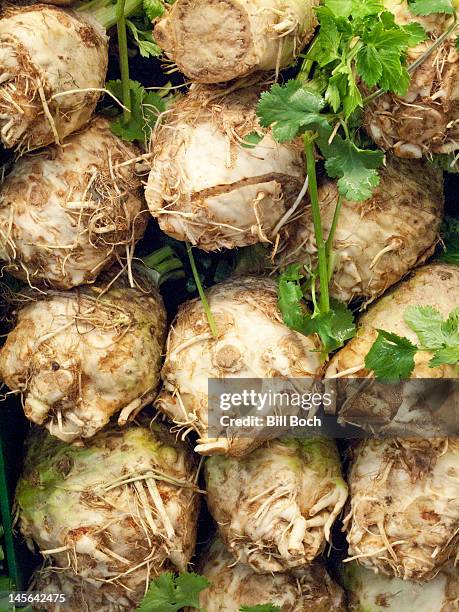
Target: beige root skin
(205, 187)
(372, 592)
(214, 42)
(88, 595)
(426, 120)
(78, 359)
(403, 516)
(234, 585)
(45, 52)
(275, 507)
(68, 212)
(115, 513)
(252, 342)
(377, 241)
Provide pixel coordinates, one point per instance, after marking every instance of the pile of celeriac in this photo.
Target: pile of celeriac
(276, 210)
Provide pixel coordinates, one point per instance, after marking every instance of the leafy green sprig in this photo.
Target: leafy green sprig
(359, 43)
(392, 357)
(170, 593)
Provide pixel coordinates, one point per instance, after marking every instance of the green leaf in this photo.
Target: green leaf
(426, 321)
(369, 65)
(449, 352)
(391, 357)
(430, 7)
(450, 238)
(289, 109)
(366, 8)
(144, 40)
(146, 107)
(251, 140)
(290, 299)
(457, 43)
(395, 76)
(341, 8)
(353, 100)
(260, 608)
(153, 9)
(333, 327)
(326, 46)
(337, 86)
(449, 355)
(355, 169)
(169, 593)
(416, 33)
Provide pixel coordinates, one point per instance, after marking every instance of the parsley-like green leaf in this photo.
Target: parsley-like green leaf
(333, 327)
(153, 9)
(326, 47)
(449, 355)
(450, 238)
(391, 357)
(290, 298)
(416, 34)
(146, 106)
(144, 40)
(426, 321)
(251, 140)
(289, 109)
(430, 7)
(260, 608)
(436, 335)
(355, 8)
(170, 594)
(355, 169)
(369, 65)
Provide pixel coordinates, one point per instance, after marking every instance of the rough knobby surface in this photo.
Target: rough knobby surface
(403, 518)
(232, 586)
(252, 342)
(78, 358)
(275, 507)
(68, 212)
(44, 52)
(210, 189)
(117, 511)
(377, 241)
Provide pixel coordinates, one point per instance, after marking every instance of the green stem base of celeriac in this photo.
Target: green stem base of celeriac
(105, 12)
(202, 295)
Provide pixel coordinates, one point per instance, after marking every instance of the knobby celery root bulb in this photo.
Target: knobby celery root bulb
(78, 357)
(234, 585)
(426, 120)
(371, 592)
(377, 241)
(116, 512)
(213, 42)
(276, 506)
(207, 186)
(46, 51)
(404, 506)
(251, 342)
(67, 212)
(434, 285)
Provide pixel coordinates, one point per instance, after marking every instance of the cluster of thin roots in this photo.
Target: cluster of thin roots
(155, 533)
